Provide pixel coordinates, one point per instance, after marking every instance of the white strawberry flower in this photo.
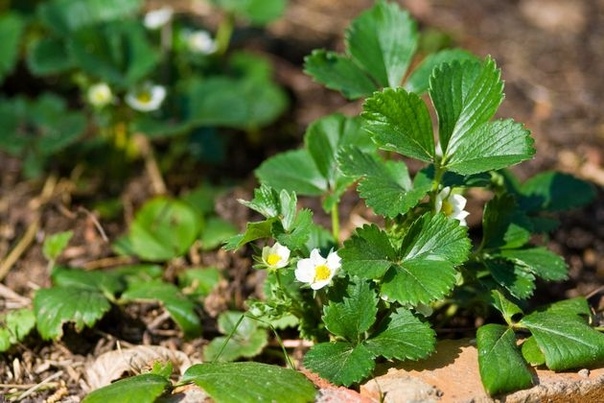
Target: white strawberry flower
(146, 98)
(276, 256)
(201, 42)
(452, 205)
(158, 18)
(99, 95)
(316, 270)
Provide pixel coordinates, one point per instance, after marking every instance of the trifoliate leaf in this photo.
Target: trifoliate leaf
(145, 388)
(340, 73)
(507, 308)
(368, 253)
(399, 121)
(516, 279)
(566, 340)
(55, 244)
(250, 382)
(302, 230)
(164, 229)
(354, 314)
(557, 191)
(14, 326)
(402, 336)
(532, 353)
(340, 362)
(539, 261)
(181, 309)
(56, 306)
(419, 79)
(500, 363)
(385, 186)
(465, 96)
(295, 171)
(505, 226)
(430, 250)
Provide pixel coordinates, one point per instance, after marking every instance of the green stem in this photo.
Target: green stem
(224, 33)
(335, 223)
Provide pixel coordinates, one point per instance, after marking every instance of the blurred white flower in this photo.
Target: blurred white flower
(99, 95)
(158, 18)
(201, 42)
(452, 205)
(318, 271)
(276, 256)
(146, 98)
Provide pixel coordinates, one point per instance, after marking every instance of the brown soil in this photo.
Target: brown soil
(552, 56)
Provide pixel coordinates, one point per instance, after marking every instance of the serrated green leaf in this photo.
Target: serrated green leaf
(180, 308)
(368, 253)
(557, 191)
(56, 306)
(11, 31)
(108, 282)
(505, 226)
(539, 261)
(465, 96)
(14, 326)
(383, 40)
(55, 244)
(49, 56)
(565, 339)
(145, 388)
(402, 336)
(294, 171)
(507, 308)
(253, 231)
(340, 362)
(385, 185)
(354, 314)
(500, 363)
(243, 382)
(430, 250)
(302, 229)
(419, 79)
(517, 280)
(338, 72)
(399, 121)
(266, 201)
(532, 353)
(163, 229)
(490, 146)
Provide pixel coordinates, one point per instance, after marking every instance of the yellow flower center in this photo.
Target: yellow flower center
(322, 273)
(273, 259)
(447, 208)
(144, 96)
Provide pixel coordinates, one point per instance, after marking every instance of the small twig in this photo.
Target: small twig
(157, 181)
(9, 294)
(96, 223)
(20, 248)
(39, 385)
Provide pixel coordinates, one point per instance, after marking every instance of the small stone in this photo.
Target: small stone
(584, 373)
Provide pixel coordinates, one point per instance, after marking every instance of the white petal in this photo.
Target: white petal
(305, 271)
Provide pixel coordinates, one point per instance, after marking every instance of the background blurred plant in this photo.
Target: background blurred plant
(80, 76)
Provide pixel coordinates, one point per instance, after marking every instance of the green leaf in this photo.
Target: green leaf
(507, 308)
(557, 191)
(199, 282)
(181, 309)
(215, 232)
(15, 326)
(253, 231)
(49, 56)
(107, 282)
(465, 96)
(340, 362)
(399, 121)
(419, 79)
(145, 388)
(385, 186)
(244, 338)
(402, 336)
(500, 363)
(302, 229)
(505, 226)
(532, 353)
(539, 261)
(11, 31)
(565, 338)
(354, 314)
(295, 171)
(430, 250)
(338, 72)
(55, 244)
(516, 279)
(164, 229)
(258, 12)
(67, 16)
(242, 382)
(368, 253)
(266, 201)
(56, 306)
(383, 40)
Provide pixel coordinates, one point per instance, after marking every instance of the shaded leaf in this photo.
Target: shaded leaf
(145, 388)
(557, 191)
(340, 362)
(539, 261)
